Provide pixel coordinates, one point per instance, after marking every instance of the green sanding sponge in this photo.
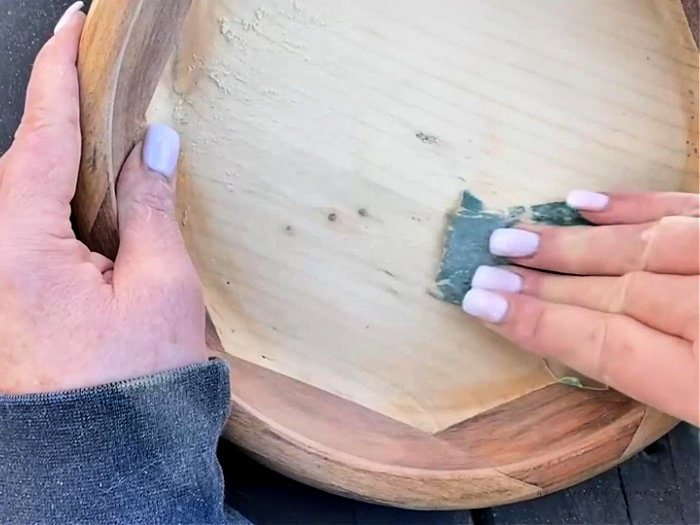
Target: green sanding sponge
(467, 239)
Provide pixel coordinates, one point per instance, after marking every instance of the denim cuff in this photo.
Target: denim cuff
(136, 451)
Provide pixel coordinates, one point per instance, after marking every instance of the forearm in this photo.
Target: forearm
(137, 451)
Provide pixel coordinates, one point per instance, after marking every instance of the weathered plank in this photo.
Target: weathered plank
(661, 483)
(600, 500)
(685, 455)
(266, 497)
(366, 514)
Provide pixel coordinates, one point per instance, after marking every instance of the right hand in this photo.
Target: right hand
(623, 305)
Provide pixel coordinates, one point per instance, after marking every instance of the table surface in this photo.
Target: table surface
(659, 485)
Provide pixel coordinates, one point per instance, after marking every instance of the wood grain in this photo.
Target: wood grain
(498, 457)
(124, 49)
(296, 119)
(323, 145)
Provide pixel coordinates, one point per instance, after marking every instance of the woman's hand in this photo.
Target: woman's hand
(71, 318)
(626, 310)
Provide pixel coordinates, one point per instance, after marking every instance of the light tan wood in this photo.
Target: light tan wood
(496, 458)
(323, 144)
(124, 48)
(651, 428)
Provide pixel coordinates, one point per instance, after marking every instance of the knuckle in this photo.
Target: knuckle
(600, 345)
(691, 204)
(671, 220)
(649, 238)
(36, 152)
(39, 126)
(663, 240)
(620, 294)
(531, 331)
(155, 196)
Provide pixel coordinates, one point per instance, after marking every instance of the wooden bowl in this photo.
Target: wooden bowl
(324, 143)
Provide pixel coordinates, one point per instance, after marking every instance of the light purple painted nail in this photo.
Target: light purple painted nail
(498, 279)
(587, 200)
(161, 149)
(485, 305)
(511, 242)
(65, 18)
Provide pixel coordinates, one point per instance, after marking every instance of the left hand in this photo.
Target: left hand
(70, 317)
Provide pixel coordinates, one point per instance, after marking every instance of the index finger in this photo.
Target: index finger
(44, 158)
(633, 208)
(669, 245)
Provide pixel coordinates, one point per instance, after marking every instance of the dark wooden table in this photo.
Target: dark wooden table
(658, 486)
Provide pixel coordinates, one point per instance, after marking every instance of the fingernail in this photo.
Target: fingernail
(65, 18)
(485, 305)
(499, 279)
(511, 242)
(587, 200)
(161, 149)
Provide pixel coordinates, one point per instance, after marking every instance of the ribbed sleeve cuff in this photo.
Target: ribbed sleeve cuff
(136, 451)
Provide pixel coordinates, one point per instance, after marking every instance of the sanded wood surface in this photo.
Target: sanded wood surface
(497, 457)
(324, 145)
(658, 485)
(667, 492)
(129, 42)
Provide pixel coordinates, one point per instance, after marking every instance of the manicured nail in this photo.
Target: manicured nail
(485, 305)
(587, 200)
(511, 242)
(498, 279)
(161, 149)
(77, 6)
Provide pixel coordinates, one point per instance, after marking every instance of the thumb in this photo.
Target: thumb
(151, 251)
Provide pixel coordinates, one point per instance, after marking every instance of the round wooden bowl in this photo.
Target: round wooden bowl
(323, 145)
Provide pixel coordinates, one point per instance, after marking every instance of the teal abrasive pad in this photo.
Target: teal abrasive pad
(467, 239)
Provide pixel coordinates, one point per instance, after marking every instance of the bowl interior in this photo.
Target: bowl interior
(325, 142)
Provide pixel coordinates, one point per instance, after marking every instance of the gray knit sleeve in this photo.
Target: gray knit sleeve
(135, 452)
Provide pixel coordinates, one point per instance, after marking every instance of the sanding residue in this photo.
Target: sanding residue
(323, 143)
